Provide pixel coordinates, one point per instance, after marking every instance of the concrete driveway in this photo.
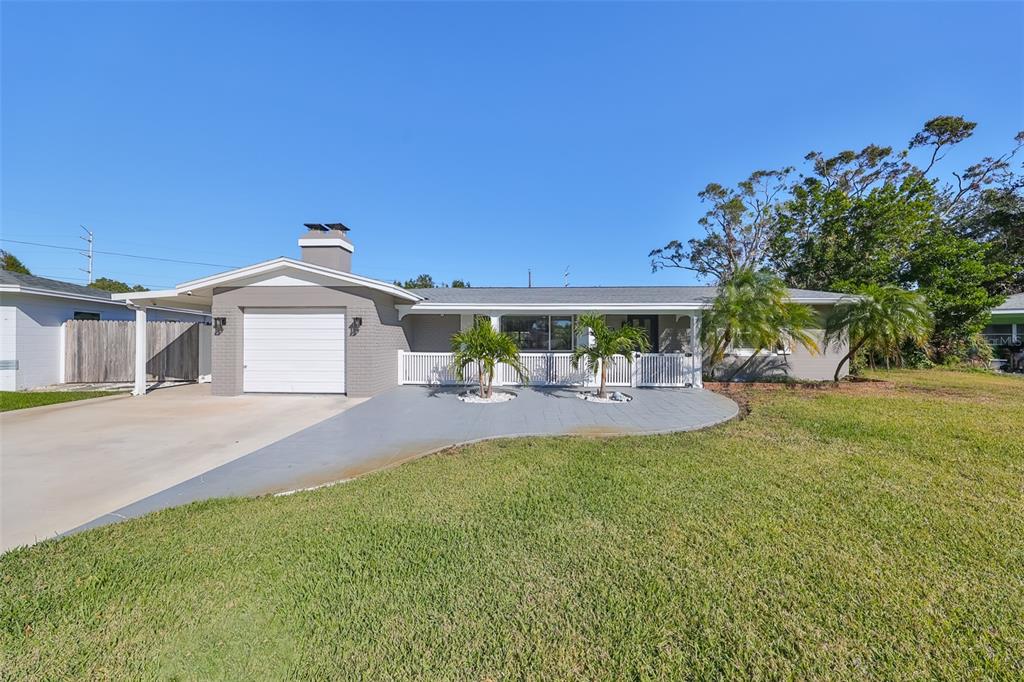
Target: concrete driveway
(411, 421)
(64, 465)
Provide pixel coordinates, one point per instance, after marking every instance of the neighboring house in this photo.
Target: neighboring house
(32, 313)
(1007, 324)
(311, 325)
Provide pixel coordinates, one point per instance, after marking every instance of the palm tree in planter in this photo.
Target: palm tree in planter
(607, 343)
(485, 347)
(880, 318)
(753, 310)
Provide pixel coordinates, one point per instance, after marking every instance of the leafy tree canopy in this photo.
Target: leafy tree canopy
(425, 281)
(8, 261)
(875, 216)
(115, 286)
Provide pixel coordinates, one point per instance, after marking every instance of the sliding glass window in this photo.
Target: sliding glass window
(539, 332)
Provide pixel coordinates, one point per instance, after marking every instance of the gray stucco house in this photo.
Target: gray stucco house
(311, 325)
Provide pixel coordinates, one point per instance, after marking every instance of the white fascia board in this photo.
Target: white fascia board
(302, 266)
(17, 289)
(163, 293)
(551, 308)
(1008, 311)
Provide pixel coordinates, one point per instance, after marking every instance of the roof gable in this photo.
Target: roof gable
(296, 273)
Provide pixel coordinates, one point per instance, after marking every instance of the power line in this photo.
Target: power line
(123, 255)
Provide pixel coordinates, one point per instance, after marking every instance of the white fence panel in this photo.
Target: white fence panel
(555, 369)
(431, 369)
(667, 369)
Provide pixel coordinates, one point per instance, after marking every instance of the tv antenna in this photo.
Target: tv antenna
(88, 254)
(565, 277)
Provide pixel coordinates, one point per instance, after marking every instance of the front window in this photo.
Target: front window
(80, 315)
(561, 333)
(539, 332)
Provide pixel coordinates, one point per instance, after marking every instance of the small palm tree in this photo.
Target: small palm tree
(880, 318)
(482, 345)
(753, 309)
(606, 345)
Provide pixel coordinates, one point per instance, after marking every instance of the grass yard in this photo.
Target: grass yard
(19, 400)
(859, 533)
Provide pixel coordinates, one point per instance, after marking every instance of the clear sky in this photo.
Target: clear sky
(465, 140)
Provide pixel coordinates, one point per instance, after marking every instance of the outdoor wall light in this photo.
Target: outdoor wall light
(357, 322)
(218, 325)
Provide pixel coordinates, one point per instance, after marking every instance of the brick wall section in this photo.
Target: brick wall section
(371, 354)
(433, 333)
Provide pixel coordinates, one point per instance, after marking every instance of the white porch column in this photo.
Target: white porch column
(140, 351)
(1014, 332)
(496, 322)
(698, 352)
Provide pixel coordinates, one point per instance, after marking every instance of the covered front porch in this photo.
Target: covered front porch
(546, 341)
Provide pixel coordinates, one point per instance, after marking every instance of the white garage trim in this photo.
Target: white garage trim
(293, 350)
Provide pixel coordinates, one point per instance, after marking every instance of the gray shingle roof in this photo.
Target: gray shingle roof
(56, 286)
(1014, 302)
(590, 295)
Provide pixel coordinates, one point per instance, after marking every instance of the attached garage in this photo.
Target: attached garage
(293, 350)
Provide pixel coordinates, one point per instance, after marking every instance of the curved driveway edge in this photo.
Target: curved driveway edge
(411, 421)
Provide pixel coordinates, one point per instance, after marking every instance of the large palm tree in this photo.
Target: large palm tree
(880, 318)
(483, 345)
(607, 343)
(753, 310)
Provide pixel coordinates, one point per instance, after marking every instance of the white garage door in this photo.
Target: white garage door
(294, 350)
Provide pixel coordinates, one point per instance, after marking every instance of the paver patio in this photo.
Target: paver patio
(411, 421)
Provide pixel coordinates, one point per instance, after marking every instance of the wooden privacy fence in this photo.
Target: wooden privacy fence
(104, 350)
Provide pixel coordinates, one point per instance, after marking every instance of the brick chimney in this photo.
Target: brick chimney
(327, 245)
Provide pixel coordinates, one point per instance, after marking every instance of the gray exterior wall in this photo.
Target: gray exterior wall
(800, 364)
(432, 333)
(371, 354)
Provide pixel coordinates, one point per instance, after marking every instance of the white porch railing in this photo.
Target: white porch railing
(555, 369)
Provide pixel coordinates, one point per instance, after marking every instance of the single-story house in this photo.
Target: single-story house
(312, 325)
(1007, 324)
(33, 311)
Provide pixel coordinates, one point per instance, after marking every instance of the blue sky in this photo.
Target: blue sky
(463, 140)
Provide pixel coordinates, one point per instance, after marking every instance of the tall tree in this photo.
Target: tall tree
(738, 227)
(115, 286)
(425, 281)
(10, 262)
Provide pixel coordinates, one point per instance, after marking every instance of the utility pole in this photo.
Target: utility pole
(529, 278)
(87, 254)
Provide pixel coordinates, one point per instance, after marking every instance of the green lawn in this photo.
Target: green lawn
(19, 400)
(864, 533)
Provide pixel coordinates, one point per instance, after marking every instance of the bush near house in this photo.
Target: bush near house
(859, 531)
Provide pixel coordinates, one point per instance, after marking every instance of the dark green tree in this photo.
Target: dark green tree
(10, 262)
(115, 286)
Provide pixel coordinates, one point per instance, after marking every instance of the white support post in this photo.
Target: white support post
(496, 326)
(698, 353)
(401, 374)
(140, 351)
(1014, 332)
